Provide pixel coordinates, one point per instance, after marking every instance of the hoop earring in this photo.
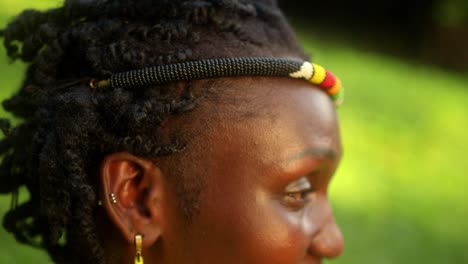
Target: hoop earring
(138, 247)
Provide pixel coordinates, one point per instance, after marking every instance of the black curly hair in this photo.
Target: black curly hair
(66, 128)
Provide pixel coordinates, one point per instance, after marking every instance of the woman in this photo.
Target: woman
(216, 152)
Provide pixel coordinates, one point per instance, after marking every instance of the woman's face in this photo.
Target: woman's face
(268, 154)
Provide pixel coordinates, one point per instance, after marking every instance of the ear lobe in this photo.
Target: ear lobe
(137, 186)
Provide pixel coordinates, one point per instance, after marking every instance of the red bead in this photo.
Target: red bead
(329, 81)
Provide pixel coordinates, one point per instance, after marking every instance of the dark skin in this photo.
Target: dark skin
(268, 158)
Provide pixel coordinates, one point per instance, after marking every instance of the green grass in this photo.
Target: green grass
(399, 194)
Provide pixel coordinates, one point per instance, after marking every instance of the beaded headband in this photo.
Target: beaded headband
(227, 67)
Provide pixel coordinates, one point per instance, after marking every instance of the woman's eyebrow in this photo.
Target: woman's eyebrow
(314, 152)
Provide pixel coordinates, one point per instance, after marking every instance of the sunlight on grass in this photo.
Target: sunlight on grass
(9, 8)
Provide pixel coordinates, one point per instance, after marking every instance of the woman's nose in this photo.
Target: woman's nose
(328, 242)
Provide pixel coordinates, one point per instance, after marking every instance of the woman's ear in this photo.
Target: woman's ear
(132, 191)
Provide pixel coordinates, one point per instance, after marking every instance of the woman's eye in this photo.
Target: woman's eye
(298, 199)
(298, 193)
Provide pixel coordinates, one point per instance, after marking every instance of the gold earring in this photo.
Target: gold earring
(139, 248)
(113, 198)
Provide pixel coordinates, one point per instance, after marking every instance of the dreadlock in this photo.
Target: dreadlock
(67, 128)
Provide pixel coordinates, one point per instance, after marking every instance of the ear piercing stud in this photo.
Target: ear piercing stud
(113, 199)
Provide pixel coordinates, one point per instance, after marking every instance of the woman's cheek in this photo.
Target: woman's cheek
(278, 234)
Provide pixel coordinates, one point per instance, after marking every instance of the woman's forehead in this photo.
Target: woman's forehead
(271, 119)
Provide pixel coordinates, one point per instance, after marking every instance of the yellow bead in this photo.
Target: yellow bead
(335, 88)
(319, 74)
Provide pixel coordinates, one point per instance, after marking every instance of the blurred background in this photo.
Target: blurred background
(400, 193)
